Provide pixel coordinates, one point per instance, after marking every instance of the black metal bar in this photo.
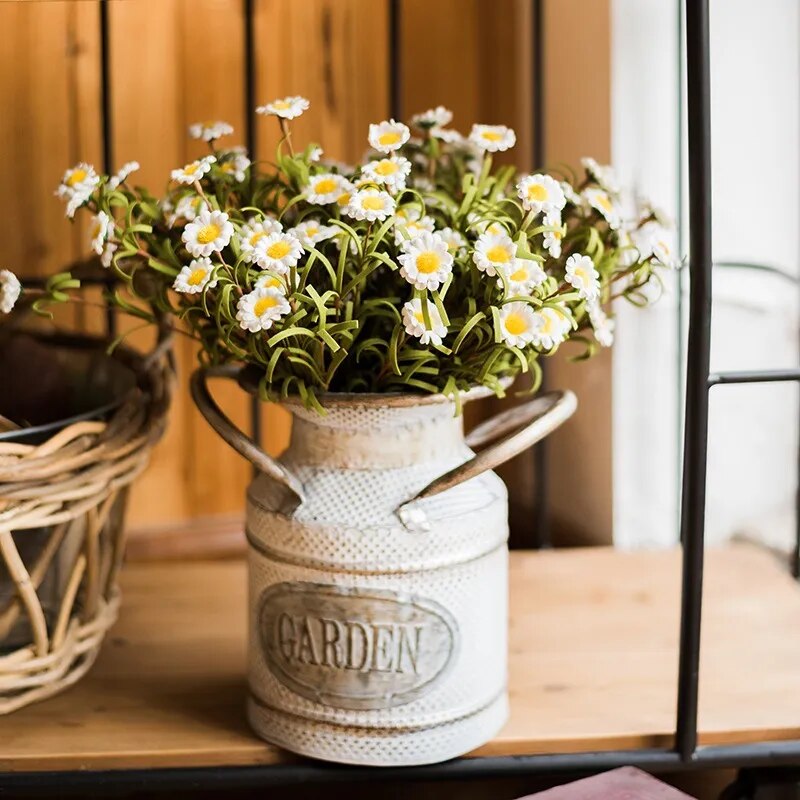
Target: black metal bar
(695, 448)
(395, 60)
(106, 114)
(541, 537)
(251, 142)
(79, 782)
(754, 376)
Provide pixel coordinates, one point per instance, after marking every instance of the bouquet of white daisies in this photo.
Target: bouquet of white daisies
(422, 269)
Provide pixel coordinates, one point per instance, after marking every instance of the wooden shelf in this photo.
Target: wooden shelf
(593, 664)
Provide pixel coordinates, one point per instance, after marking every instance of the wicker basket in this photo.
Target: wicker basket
(62, 504)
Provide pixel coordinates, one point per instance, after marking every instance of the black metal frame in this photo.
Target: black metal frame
(685, 754)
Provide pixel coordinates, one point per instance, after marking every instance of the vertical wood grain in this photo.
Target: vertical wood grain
(578, 63)
(166, 72)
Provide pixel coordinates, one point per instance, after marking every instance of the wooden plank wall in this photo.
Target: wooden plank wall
(178, 61)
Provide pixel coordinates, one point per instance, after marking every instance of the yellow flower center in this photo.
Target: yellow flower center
(311, 231)
(197, 277)
(537, 192)
(582, 274)
(208, 233)
(386, 167)
(278, 249)
(390, 137)
(229, 167)
(343, 199)
(516, 323)
(325, 186)
(271, 283)
(547, 324)
(428, 262)
(96, 230)
(419, 316)
(281, 105)
(77, 176)
(191, 169)
(604, 202)
(492, 136)
(256, 237)
(372, 203)
(498, 254)
(519, 275)
(264, 304)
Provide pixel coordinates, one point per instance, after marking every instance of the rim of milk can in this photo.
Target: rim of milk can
(497, 439)
(248, 380)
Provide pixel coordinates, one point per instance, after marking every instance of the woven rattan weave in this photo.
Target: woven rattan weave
(62, 504)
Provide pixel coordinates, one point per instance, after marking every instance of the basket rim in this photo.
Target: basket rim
(131, 360)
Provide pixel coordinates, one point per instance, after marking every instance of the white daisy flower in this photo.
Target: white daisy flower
(483, 226)
(552, 239)
(523, 276)
(570, 194)
(517, 324)
(99, 231)
(10, 290)
(188, 207)
(235, 165)
(414, 322)
(454, 240)
(433, 118)
(77, 186)
(550, 328)
(278, 252)
(209, 131)
(600, 200)
(315, 154)
(411, 225)
(80, 179)
(603, 174)
(602, 325)
(108, 254)
(406, 214)
(195, 277)
(654, 240)
(78, 199)
(311, 232)
(287, 108)
(194, 171)
(448, 135)
(388, 136)
(541, 193)
(267, 281)
(426, 261)
(370, 204)
(347, 190)
(582, 275)
(494, 138)
(327, 187)
(257, 310)
(128, 168)
(390, 172)
(208, 233)
(492, 251)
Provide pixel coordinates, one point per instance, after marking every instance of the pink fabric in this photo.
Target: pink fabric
(626, 783)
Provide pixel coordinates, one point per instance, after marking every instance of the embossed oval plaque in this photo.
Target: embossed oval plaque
(355, 648)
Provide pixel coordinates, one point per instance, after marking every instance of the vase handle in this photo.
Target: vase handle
(499, 438)
(238, 440)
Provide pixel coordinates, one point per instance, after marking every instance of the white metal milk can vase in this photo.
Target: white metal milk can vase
(378, 574)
